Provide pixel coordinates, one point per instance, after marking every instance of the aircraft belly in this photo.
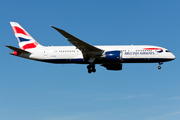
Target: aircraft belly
(64, 58)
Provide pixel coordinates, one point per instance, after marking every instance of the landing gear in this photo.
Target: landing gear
(160, 63)
(91, 68)
(159, 67)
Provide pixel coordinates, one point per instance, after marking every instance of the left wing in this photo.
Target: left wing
(87, 50)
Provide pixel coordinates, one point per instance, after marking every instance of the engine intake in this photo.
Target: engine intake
(113, 55)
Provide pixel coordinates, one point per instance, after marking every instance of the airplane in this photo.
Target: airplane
(110, 57)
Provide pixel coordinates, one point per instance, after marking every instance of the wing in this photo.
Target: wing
(87, 50)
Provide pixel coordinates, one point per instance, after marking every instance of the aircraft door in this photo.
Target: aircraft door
(45, 54)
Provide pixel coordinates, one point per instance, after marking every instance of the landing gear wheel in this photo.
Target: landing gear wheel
(91, 68)
(160, 63)
(159, 67)
(89, 71)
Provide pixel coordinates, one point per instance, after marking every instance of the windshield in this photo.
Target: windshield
(167, 51)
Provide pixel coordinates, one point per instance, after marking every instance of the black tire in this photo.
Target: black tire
(89, 67)
(89, 70)
(159, 67)
(94, 70)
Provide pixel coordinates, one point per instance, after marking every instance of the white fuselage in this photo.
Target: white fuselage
(110, 57)
(130, 54)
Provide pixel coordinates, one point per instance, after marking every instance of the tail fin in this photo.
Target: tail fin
(24, 39)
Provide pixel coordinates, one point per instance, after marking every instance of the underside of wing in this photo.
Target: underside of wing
(87, 49)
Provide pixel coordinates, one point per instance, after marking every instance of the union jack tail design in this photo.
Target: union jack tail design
(24, 39)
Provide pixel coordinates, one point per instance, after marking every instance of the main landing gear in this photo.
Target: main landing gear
(160, 63)
(91, 68)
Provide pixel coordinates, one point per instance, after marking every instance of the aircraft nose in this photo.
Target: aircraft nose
(173, 56)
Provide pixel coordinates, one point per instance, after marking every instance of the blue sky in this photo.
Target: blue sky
(31, 90)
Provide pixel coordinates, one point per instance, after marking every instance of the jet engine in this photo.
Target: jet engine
(113, 56)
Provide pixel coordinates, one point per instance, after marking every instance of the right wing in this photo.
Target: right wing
(87, 50)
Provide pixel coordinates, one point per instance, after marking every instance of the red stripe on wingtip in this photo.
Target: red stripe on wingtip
(29, 46)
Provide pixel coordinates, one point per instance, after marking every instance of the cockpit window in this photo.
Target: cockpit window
(167, 51)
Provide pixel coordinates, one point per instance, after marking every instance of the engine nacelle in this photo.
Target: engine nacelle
(113, 55)
(113, 66)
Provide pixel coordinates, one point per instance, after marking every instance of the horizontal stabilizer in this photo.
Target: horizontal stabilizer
(17, 49)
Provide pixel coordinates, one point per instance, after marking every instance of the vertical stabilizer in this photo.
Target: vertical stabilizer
(24, 39)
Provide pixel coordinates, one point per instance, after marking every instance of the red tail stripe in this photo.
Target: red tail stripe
(16, 53)
(19, 30)
(29, 46)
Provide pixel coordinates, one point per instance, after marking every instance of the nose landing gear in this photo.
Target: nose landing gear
(160, 63)
(91, 68)
(159, 67)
